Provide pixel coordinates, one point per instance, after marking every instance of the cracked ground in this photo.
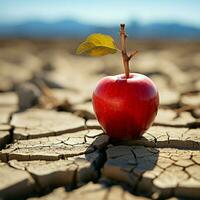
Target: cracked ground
(52, 147)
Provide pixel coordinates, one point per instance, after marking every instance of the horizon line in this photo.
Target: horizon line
(178, 22)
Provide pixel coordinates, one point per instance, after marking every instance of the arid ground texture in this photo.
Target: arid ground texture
(52, 147)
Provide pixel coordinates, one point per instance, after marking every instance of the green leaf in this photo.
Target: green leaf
(97, 45)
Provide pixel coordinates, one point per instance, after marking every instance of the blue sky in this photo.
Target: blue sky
(104, 12)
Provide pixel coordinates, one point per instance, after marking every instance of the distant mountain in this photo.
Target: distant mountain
(164, 30)
(44, 29)
(71, 28)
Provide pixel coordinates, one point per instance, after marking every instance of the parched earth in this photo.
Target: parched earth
(52, 147)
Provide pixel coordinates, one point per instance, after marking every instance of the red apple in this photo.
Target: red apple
(125, 107)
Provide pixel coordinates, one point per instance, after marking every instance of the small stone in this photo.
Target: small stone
(28, 95)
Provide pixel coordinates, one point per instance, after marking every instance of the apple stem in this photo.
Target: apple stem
(123, 50)
(125, 57)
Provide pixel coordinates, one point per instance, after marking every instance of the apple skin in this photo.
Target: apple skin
(125, 108)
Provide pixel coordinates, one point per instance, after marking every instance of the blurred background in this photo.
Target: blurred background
(145, 19)
(39, 39)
